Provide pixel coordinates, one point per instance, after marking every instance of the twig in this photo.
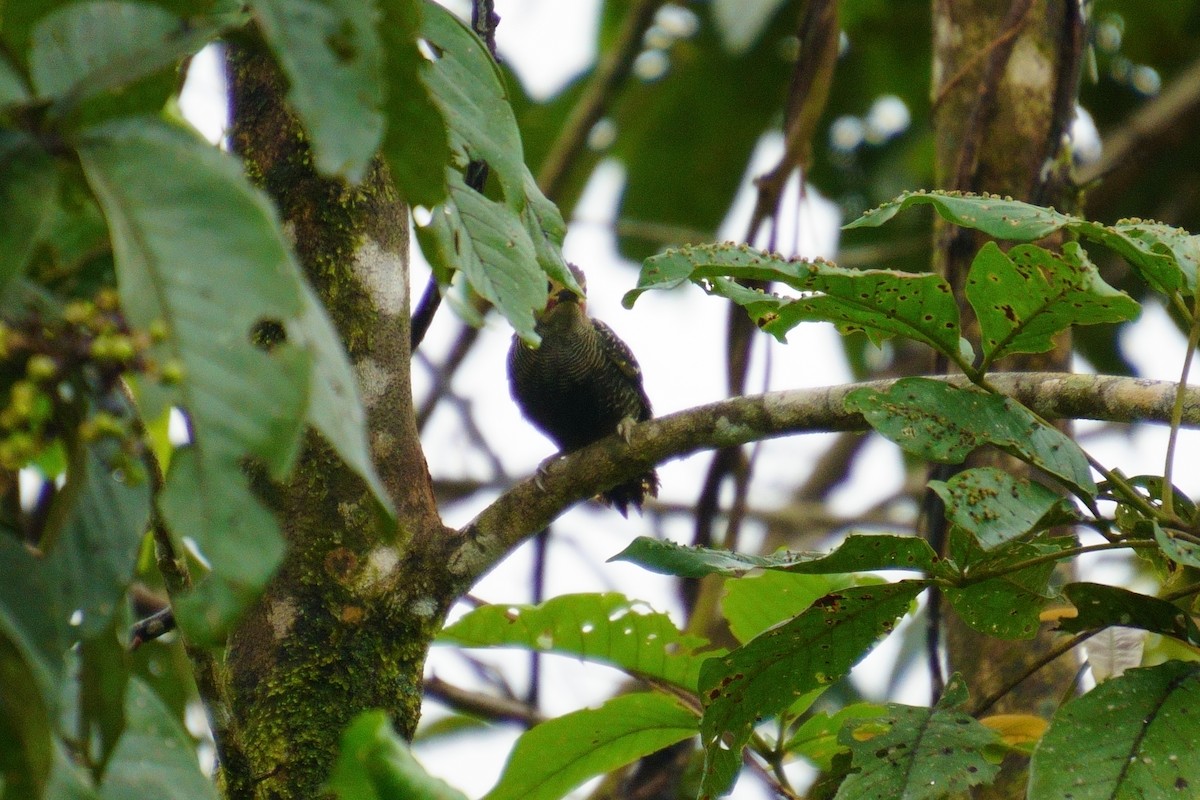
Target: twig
(499, 709)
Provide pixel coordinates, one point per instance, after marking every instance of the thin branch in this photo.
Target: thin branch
(532, 504)
(498, 709)
(610, 73)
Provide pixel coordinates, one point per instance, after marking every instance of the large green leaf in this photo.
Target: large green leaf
(331, 53)
(817, 737)
(913, 753)
(756, 603)
(997, 507)
(552, 758)
(765, 676)
(609, 628)
(85, 49)
(487, 241)
(857, 553)
(507, 247)
(335, 405)
(944, 423)
(880, 303)
(416, 143)
(374, 763)
(1164, 256)
(199, 254)
(1024, 297)
(155, 758)
(28, 186)
(1133, 736)
(97, 551)
(1100, 606)
(1008, 604)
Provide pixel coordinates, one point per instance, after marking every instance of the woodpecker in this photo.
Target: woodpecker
(581, 384)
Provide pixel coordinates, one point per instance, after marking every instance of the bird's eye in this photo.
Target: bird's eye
(549, 287)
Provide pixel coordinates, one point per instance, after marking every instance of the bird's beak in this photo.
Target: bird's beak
(561, 296)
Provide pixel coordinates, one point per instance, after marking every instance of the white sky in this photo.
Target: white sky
(679, 340)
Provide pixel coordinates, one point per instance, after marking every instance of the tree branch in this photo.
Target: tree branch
(529, 507)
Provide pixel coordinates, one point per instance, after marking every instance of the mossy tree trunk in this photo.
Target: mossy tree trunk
(346, 623)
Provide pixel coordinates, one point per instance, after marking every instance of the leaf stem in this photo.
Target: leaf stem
(1046, 658)
(985, 575)
(1168, 489)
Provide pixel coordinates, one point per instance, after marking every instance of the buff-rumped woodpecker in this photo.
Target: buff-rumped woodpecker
(581, 384)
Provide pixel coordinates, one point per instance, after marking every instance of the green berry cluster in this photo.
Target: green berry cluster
(60, 372)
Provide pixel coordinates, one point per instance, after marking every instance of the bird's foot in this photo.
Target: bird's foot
(625, 428)
(539, 474)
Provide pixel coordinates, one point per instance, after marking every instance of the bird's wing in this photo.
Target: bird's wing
(618, 352)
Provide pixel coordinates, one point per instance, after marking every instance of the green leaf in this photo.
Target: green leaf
(199, 252)
(1132, 736)
(817, 738)
(608, 628)
(86, 49)
(103, 678)
(997, 507)
(489, 243)
(944, 423)
(155, 757)
(1003, 218)
(755, 603)
(914, 753)
(375, 764)
(331, 54)
(1100, 606)
(1163, 256)
(335, 406)
(1179, 546)
(506, 248)
(857, 553)
(765, 676)
(28, 193)
(1008, 605)
(551, 759)
(880, 303)
(95, 558)
(415, 143)
(1024, 297)
(13, 90)
(26, 743)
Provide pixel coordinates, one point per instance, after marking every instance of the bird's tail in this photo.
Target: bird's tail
(632, 492)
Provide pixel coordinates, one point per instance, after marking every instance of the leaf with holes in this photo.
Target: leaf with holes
(880, 303)
(857, 553)
(766, 675)
(1024, 297)
(1099, 606)
(1003, 218)
(913, 753)
(756, 603)
(551, 759)
(944, 423)
(332, 56)
(1008, 605)
(608, 628)
(199, 253)
(1132, 736)
(998, 508)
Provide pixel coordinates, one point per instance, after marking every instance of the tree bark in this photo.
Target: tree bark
(345, 624)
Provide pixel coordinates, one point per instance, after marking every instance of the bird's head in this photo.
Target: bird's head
(562, 301)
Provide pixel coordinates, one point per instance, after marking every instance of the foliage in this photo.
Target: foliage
(125, 239)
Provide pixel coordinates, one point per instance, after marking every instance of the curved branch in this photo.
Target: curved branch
(528, 507)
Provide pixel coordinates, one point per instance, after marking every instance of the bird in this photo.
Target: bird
(581, 384)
